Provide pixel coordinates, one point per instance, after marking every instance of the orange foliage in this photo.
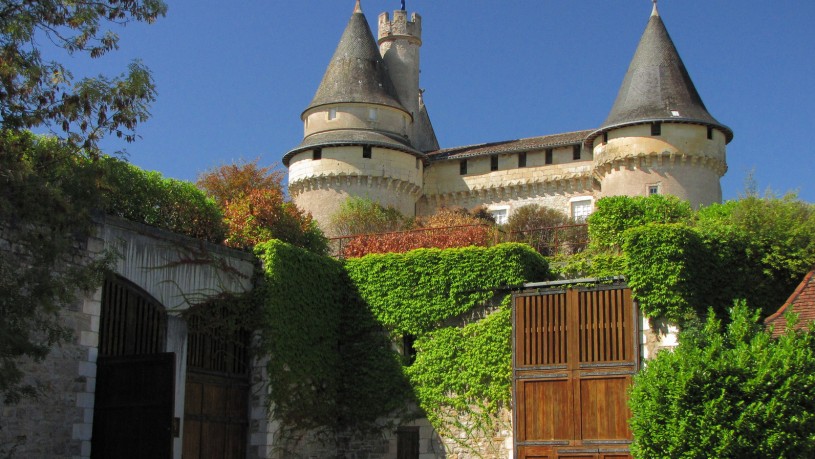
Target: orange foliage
(255, 207)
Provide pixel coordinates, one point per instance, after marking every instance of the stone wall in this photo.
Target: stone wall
(174, 270)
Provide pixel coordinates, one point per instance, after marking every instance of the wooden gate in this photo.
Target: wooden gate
(574, 354)
(135, 379)
(216, 407)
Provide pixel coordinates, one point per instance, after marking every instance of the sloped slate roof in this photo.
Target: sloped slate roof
(656, 85)
(356, 73)
(801, 302)
(510, 146)
(342, 137)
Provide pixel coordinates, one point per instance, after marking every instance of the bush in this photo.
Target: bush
(365, 216)
(615, 214)
(727, 392)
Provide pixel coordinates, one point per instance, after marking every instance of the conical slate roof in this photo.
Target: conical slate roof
(657, 86)
(356, 72)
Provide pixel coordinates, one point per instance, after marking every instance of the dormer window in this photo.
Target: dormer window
(656, 128)
(332, 114)
(674, 113)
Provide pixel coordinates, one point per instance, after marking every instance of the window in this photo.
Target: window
(576, 152)
(548, 153)
(605, 137)
(366, 151)
(317, 153)
(373, 114)
(656, 128)
(581, 209)
(653, 189)
(500, 215)
(408, 348)
(332, 113)
(709, 133)
(462, 167)
(493, 163)
(522, 159)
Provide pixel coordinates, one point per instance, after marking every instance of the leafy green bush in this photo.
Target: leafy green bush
(147, 197)
(358, 215)
(615, 214)
(727, 392)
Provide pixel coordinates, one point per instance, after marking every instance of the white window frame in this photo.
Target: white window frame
(332, 114)
(581, 201)
(499, 211)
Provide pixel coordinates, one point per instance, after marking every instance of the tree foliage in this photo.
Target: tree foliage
(727, 392)
(46, 199)
(256, 209)
(358, 215)
(38, 92)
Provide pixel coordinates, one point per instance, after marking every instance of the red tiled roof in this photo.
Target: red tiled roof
(802, 302)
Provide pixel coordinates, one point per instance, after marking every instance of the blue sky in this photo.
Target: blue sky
(233, 77)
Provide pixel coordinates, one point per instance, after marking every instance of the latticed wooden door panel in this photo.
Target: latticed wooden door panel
(575, 352)
(605, 322)
(542, 330)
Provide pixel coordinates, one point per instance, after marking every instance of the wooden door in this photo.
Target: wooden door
(133, 415)
(574, 354)
(216, 407)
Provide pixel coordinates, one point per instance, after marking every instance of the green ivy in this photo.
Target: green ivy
(463, 376)
(614, 215)
(330, 366)
(413, 292)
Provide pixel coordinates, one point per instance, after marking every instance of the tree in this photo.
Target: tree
(256, 209)
(46, 197)
(47, 193)
(359, 215)
(728, 392)
(35, 92)
(537, 226)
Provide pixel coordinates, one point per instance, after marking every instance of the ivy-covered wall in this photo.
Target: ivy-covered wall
(329, 327)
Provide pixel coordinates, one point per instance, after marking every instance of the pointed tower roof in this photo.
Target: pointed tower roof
(657, 87)
(356, 72)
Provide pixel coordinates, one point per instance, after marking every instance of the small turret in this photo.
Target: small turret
(399, 42)
(659, 136)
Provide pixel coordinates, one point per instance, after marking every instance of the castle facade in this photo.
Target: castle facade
(367, 133)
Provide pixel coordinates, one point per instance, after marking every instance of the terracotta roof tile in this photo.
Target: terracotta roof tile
(802, 302)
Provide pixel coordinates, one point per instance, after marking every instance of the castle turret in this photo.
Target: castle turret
(355, 134)
(400, 40)
(659, 136)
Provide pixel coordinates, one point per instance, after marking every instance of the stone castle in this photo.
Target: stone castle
(368, 134)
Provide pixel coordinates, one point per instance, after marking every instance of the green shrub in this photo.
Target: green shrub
(615, 214)
(727, 392)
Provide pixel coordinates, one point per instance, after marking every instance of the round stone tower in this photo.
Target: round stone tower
(357, 130)
(659, 137)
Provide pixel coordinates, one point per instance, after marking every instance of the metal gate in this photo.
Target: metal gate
(574, 354)
(135, 379)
